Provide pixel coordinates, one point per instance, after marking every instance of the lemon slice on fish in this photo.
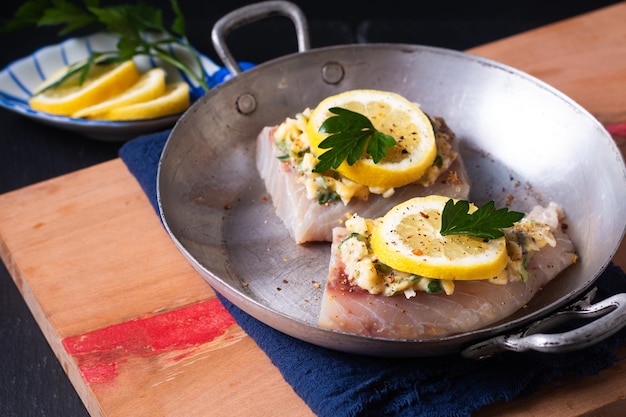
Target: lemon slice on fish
(391, 114)
(102, 83)
(407, 238)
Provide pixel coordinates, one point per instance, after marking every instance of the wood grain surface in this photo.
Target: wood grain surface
(108, 287)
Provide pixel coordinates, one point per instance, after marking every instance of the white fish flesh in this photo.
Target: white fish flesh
(472, 305)
(309, 221)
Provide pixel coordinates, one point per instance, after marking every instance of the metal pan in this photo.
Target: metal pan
(519, 137)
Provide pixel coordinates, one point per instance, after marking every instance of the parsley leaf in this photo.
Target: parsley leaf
(351, 134)
(68, 14)
(485, 222)
(131, 22)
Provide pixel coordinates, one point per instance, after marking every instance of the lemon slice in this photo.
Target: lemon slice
(407, 238)
(174, 100)
(102, 83)
(150, 85)
(394, 115)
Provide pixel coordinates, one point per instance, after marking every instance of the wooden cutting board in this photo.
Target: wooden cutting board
(140, 333)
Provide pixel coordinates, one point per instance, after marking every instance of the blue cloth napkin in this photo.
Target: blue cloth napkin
(336, 384)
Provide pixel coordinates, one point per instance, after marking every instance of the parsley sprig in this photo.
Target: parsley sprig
(486, 222)
(351, 134)
(131, 22)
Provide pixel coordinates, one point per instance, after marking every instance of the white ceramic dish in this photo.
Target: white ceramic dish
(22, 77)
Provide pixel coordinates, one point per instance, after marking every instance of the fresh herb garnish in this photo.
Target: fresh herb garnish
(132, 23)
(485, 222)
(354, 235)
(382, 268)
(351, 134)
(326, 196)
(434, 286)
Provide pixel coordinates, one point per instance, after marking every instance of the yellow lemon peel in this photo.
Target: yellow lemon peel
(407, 238)
(150, 85)
(174, 100)
(394, 115)
(102, 83)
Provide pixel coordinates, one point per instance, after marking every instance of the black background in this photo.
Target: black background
(32, 383)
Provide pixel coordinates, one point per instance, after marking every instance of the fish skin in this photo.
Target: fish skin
(308, 221)
(473, 305)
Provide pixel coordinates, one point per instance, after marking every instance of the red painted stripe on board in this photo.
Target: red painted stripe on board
(617, 129)
(101, 351)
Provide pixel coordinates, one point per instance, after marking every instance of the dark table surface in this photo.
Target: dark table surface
(32, 383)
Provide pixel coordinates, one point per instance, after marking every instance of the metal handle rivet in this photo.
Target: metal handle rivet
(332, 73)
(246, 103)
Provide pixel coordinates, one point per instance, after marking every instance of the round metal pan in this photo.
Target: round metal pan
(519, 138)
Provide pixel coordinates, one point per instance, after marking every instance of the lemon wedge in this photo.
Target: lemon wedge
(174, 100)
(150, 85)
(102, 83)
(407, 238)
(391, 114)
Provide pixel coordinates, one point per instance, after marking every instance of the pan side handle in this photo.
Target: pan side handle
(251, 13)
(609, 316)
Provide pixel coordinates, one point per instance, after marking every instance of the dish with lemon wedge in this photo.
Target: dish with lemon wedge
(411, 257)
(22, 78)
(115, 92)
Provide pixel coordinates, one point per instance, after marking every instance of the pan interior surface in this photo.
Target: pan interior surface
(522, 141)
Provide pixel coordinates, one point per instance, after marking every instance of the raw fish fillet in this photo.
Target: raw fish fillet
(473, 305)
(309, 221)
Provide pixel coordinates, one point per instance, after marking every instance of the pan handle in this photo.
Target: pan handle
(612, 317)
(251, 13)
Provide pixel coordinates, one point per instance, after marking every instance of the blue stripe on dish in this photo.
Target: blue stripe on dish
(205, 73)
(19, 83)
(150, 58)
(88, 46)
(9, 104)
(92, 122)
(9, 98)
(38, 68)
(64, 54)
(183, 75)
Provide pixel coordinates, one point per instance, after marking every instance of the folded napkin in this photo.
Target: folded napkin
(336, 384)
